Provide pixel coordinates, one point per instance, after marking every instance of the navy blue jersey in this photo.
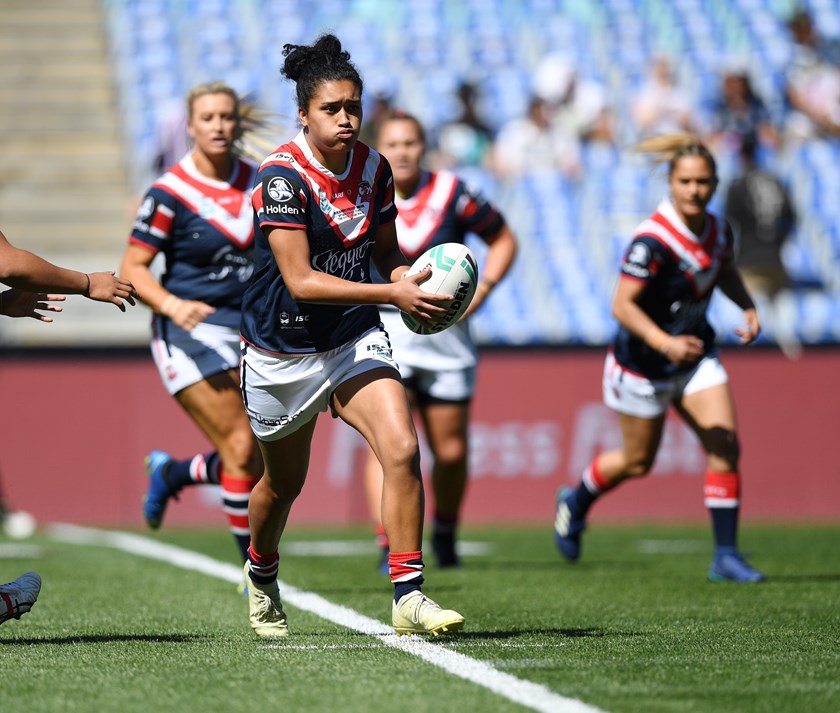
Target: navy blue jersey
(680, 271)
(443, 210)
(341, 216)
(205, 230)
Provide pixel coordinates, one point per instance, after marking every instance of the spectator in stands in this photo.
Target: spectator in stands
(198, 216)
(438, 370)
(761, 214)
(580, 107)
(812, 83)
(760, 211)
(381, 107)
(311, 332)
(661, 106)
(33, 280)
(533, 144)
(739, 114)
(467, 140)
(172, 137)
(664, 353)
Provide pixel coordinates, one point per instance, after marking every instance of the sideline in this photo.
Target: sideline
(525, 693)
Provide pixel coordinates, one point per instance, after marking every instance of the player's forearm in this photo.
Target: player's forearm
(26, 271)
(318, 287)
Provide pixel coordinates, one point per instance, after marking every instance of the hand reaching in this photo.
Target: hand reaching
(107, 287)
(20, 303)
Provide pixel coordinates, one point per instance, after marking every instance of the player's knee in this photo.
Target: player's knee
(638, 467)
(724, 446)
(243, 454)
(451, 453)
(402, 453)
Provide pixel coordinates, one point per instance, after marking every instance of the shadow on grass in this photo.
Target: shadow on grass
(104, 639)
(568, 633)
(801, 578)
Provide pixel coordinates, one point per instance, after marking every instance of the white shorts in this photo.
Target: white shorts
(635, 395)
(429, 386)
(185, 358)
(436, 367)
(283, 393)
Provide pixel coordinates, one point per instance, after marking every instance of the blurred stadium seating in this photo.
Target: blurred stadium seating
(572, 232)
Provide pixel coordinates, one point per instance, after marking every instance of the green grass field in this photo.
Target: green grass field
(634, 626)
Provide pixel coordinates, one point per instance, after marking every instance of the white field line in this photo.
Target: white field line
(525, 693)
(674, 547)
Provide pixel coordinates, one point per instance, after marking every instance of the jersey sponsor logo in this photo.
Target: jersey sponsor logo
(270, 209)
(232, 264)
(381, 351)
(280, 189)
(146, 209)
(293, 320)
(206, 208)
(637, 263)
(340, 215)
(346, 264)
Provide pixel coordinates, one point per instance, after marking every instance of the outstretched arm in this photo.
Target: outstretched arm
(26, 271)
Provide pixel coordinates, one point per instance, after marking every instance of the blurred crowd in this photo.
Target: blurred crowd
(566, 112)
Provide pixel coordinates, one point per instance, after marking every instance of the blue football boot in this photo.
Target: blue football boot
(159, 492)
(567, 528)
(729, 566)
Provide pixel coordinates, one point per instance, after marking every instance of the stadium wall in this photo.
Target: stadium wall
(75, 428)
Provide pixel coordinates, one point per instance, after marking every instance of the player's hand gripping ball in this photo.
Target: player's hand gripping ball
(454, 272)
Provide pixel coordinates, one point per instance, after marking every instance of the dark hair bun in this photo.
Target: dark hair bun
(325, 52)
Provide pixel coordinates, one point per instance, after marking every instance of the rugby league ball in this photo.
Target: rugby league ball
(454, 272)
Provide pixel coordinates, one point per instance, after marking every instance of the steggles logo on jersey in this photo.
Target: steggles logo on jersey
(280, 189)
(346, 264)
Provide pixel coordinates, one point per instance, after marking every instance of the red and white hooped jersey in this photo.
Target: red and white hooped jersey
(205, 229)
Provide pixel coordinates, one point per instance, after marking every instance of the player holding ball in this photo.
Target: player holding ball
(439, 369)
(311, 334)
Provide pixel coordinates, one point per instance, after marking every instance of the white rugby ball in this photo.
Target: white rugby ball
(454, 272)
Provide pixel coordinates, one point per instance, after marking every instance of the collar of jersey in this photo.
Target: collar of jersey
(303, 145)
(666, 208)
(192, 171)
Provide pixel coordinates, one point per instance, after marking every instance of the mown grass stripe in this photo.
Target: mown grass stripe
(525, 693)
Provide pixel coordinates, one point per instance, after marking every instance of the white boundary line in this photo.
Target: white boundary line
(525, 693)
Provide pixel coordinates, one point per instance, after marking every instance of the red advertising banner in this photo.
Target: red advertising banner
(75, 430)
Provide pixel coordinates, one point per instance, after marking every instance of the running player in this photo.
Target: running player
(664, 353)
(199, 216)
(27, 275)
(438, 370)
(311, 333)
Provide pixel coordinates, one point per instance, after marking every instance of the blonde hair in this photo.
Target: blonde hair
(256, 129)
(670, 148)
